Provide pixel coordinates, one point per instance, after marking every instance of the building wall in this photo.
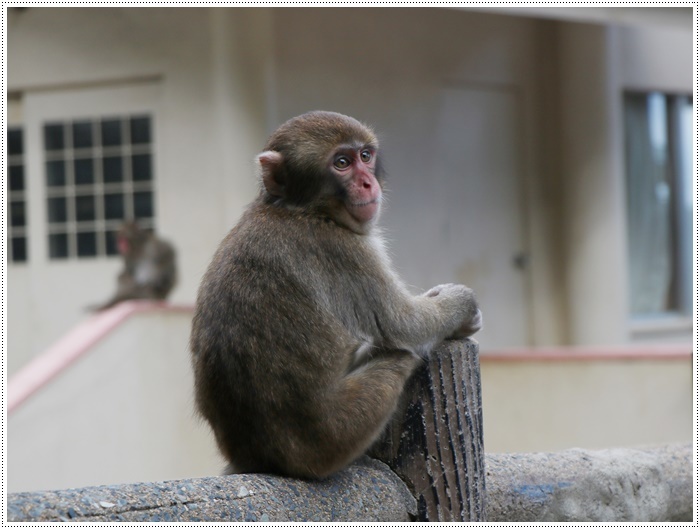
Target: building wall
(453, 106)
(121, 413)
(221, 79)
(206, 136)
(535, 405)
(596, 65)
(652, 59)
(566, 82)
(656, 58)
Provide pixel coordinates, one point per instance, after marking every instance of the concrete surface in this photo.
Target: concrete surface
(367, 491)
(652, 484)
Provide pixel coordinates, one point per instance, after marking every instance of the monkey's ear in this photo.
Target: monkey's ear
(272, 172)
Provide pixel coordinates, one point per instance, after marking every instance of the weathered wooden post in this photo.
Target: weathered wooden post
(435, 442)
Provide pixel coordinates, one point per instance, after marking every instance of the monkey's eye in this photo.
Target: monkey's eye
(366, 155)
(341, 162)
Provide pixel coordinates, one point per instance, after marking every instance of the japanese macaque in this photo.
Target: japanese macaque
(149, 266)
(303, 336)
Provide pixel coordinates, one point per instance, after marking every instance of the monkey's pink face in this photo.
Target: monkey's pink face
(355, 168)
(122, 245)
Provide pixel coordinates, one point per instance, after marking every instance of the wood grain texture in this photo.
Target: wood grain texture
(435, 441)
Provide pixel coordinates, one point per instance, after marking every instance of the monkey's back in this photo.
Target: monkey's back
(266, 342)
(161, 275)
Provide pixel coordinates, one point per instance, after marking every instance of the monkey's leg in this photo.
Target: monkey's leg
(354, 414)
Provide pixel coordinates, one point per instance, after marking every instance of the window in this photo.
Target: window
(658, 130)
(98, 173)
(17, 197)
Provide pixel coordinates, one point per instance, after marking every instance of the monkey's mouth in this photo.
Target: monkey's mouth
(364, 204)
(364, 211)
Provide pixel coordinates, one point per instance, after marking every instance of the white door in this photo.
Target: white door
(89, 162)
(477, 173)
(447, 106)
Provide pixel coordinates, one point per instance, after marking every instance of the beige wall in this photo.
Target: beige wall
(537, 406)
(121, 413)
(656, 58)
(595, 244)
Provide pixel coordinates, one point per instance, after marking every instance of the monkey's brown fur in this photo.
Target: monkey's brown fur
(303, 336)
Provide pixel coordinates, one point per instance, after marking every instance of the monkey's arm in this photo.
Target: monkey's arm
(401, 320)
(419, 323)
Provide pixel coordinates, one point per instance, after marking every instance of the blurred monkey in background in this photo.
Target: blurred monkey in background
(149, 266)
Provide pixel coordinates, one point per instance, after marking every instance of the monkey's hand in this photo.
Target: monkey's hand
(461, 301)
(469, 326)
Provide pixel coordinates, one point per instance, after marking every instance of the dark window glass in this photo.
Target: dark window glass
(85, 208)
(143, 204)
(112, 169)
(111, 132)
(16, 209)
(111, 243)
(14, 141)
(53, 137)
(84, 173)
(141, 167)
(16, 178)
(140, 129)
(658, 133)
(114, 206)
(57, 209)
(19, 249)
(93, 204)
(82, 134)
(17, 214)
(55, 173)
(87, 244)
(58, 245)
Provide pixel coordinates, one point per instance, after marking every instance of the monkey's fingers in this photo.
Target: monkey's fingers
(469, 327)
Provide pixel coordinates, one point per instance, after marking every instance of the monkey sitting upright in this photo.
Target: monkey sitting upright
(149, 266)
(303, 336)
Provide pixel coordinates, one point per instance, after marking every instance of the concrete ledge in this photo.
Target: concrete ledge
(619, 485)
(366, 492)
